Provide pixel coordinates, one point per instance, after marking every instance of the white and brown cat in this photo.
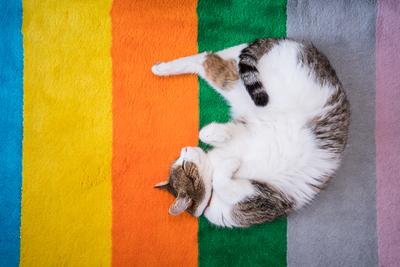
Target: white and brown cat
(289, 127)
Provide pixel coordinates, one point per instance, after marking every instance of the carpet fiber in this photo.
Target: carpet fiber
(86, 131)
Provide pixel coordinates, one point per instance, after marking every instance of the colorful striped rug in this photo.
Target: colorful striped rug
(86, 131)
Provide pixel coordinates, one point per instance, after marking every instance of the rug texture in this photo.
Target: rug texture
(86, 131)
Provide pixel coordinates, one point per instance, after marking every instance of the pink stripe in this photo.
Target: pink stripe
(388, 131)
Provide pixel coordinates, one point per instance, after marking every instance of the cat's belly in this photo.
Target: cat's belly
(286, 157)
(268, 153)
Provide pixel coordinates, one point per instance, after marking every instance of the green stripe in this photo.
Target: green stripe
(223, 24)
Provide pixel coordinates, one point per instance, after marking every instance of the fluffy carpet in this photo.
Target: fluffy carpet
(86, 131)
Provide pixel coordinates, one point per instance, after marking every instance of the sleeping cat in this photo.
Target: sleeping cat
(290, 120)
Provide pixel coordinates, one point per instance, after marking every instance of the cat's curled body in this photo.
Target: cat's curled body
(289, 126)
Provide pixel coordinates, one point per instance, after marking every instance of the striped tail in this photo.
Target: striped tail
(248, 71)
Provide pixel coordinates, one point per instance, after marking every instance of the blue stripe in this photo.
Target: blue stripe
(11, 94)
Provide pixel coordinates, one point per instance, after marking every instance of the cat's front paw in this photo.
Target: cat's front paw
(214, 133)
(161, 69)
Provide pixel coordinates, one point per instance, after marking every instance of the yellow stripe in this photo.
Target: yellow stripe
(66, 200)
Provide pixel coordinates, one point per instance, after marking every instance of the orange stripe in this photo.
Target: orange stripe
(152, 119)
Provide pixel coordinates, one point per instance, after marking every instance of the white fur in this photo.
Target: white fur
(274, 146)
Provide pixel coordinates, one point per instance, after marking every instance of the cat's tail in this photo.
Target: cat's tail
(248, 71)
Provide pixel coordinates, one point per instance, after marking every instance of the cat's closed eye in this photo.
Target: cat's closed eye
(183, 166)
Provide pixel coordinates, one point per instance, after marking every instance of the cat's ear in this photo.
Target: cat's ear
(162, 185)
(180, 205)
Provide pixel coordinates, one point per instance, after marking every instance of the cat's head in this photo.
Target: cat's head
(189, 181)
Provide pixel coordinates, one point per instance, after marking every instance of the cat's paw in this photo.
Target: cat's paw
(214, 133)
(161, 69)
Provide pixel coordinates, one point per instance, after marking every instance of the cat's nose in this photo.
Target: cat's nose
(188, 153)
(184, 151)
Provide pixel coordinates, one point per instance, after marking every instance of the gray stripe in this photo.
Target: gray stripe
(339, 227)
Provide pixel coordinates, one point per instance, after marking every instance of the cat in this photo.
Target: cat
(289, 128)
